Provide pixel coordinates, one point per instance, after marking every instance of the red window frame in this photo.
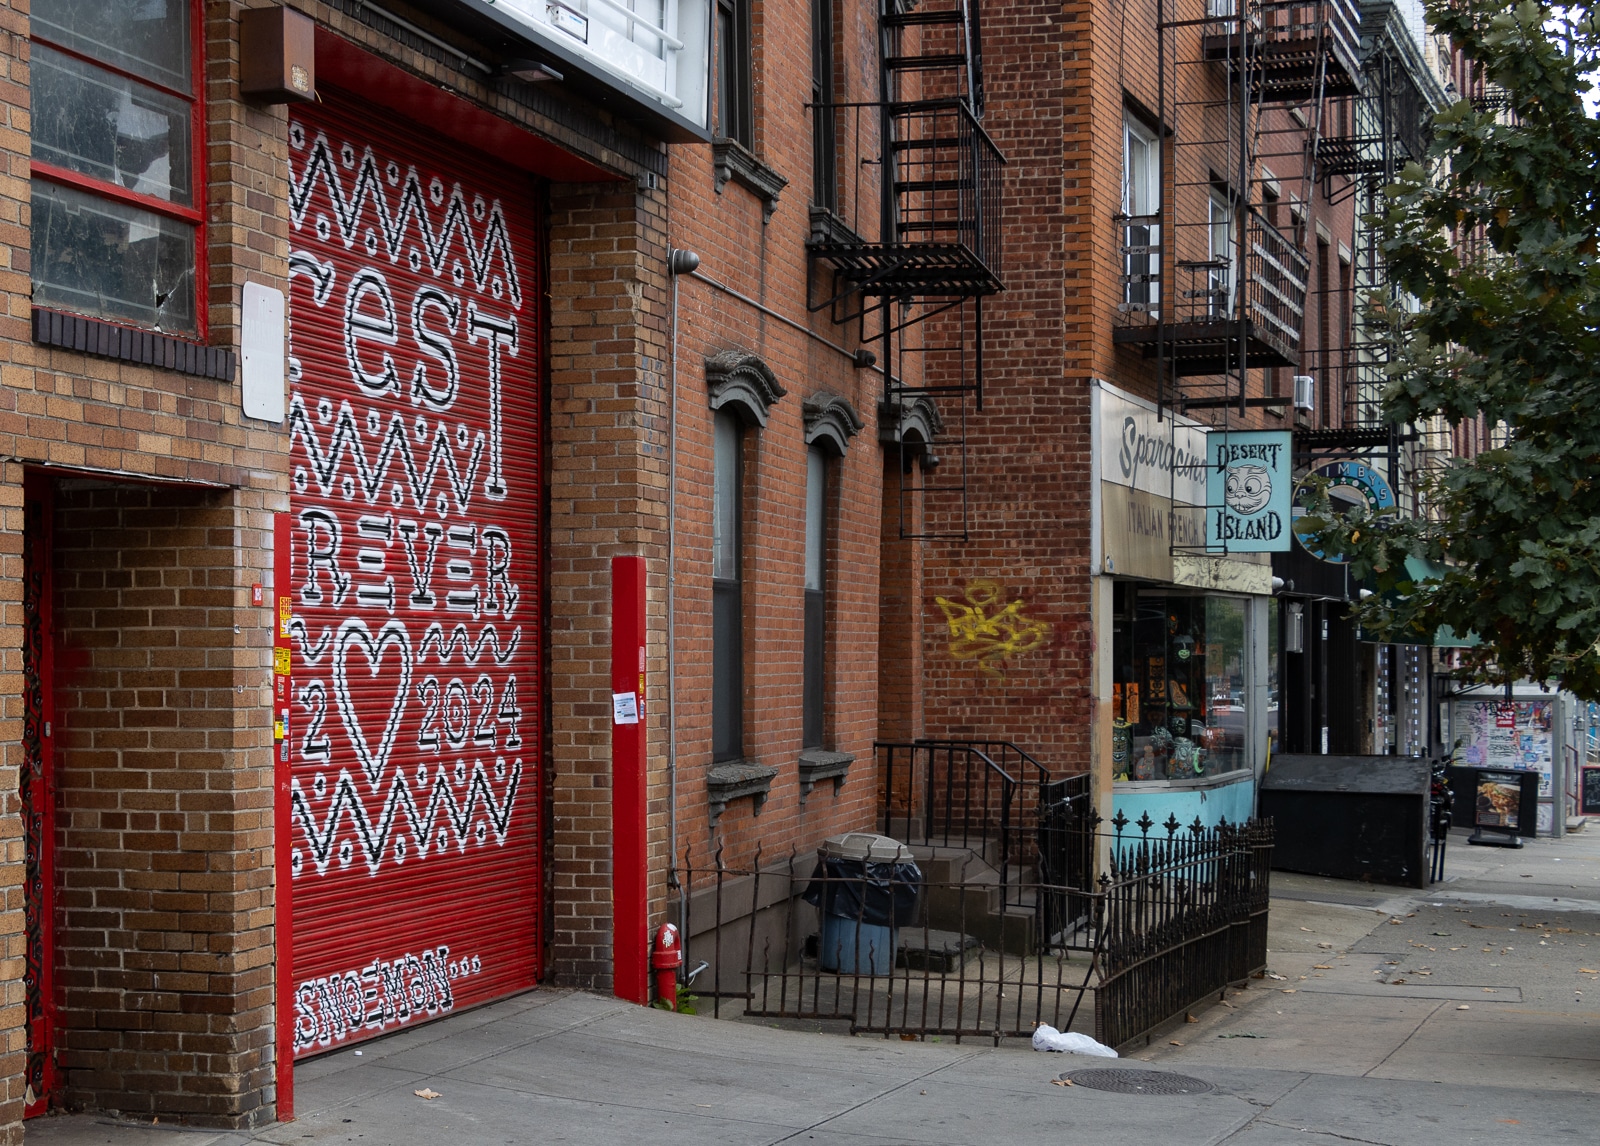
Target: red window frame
(195, 214)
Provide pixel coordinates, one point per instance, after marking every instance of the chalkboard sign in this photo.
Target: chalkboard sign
(1589, 797)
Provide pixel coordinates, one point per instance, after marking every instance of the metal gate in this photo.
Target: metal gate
(414, 794)
(36, 795)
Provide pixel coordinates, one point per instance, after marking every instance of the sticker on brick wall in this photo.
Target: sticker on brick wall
(414, 425)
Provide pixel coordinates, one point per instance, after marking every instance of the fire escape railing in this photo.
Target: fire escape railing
(1276, 274)
(932, 252)
(1273, 295)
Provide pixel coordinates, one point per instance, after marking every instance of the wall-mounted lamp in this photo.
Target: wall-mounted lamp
(533, 71)
(681, 262)
(1294, 632)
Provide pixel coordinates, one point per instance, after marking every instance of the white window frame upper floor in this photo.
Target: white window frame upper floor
(1141, 198)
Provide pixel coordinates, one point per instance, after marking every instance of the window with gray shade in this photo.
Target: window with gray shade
(824, 137)
(115, 216)
(816, 601)
(735, 93)
(727, 615)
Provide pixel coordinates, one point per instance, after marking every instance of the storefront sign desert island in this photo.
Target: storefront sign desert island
(1247, 491)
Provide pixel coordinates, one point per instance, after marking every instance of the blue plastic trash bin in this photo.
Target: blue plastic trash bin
(866, 886)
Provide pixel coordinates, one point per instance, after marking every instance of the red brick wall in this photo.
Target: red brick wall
(164, 860)
(766, 261)
(1028, 450)
(607, 461)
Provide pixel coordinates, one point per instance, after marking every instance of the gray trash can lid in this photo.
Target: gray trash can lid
(865, 846)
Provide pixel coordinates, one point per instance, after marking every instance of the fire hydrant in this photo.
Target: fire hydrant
(665, 960)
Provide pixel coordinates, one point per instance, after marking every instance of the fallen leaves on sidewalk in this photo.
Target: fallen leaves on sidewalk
(1587, 971)
(1053, 1082)
(1322, 967)
(427, 1092)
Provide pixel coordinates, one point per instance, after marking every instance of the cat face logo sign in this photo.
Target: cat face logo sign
(1247, 491)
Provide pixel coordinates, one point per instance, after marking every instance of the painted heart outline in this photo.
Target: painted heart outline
(352, 634)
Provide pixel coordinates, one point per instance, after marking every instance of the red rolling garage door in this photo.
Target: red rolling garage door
(415, 427)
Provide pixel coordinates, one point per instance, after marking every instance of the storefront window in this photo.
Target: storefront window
(1179, 697)
(1274, 648)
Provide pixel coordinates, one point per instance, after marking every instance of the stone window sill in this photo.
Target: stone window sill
(827, 229)
(818, 764)
(736, 779)
(731, 160)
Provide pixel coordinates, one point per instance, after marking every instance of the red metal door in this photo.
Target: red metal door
(37, 794)
(414, 799)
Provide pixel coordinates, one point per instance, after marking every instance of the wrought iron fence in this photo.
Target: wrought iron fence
(1176, 915)
(1180, 919)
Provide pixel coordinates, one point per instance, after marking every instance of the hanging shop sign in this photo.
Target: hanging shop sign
(1247, 491)
(1350, 483)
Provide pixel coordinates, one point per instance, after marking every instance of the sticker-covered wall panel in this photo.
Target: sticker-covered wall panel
(414, 423)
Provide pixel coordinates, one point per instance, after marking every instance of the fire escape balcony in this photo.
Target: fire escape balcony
(941, 181)
(1293, 51)
(1389, 122)
(1216, 324)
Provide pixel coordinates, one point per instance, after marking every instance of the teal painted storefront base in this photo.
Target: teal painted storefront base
(1230, 796)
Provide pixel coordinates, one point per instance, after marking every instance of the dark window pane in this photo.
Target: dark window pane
(812, 700)
(109, 127)
(149, 38)
(727, 672)
(824, 142)
(101, 258)
(725, 82)
(725, 497)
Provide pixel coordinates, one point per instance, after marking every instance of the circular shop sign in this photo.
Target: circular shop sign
(1352, 483)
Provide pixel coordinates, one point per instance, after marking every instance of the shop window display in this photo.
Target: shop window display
(1179, 700)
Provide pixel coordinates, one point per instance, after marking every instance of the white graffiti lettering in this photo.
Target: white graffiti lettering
(385, 993)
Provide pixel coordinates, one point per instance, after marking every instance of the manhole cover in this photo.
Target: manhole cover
(1120, 1081)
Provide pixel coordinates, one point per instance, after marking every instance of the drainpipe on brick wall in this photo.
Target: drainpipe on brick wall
(678, 263)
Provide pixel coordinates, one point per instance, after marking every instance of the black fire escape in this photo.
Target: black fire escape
(1378, 131)
(1216, 278)
(917, 290)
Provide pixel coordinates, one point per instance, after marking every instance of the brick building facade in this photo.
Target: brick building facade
(329, 419)
(469, 210)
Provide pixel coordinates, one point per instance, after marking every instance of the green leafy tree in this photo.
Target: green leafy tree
(1498, 246)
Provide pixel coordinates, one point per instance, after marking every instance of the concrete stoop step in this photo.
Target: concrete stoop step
(941, 952)
(963, 895)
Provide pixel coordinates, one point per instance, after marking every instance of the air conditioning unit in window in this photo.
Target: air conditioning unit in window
(1305, 395)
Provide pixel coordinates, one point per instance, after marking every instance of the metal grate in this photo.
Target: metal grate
(1120, 1080)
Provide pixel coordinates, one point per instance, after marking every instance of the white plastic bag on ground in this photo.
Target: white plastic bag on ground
(1047, 1038)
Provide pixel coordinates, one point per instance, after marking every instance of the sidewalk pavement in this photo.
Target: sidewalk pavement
(1469, 1013)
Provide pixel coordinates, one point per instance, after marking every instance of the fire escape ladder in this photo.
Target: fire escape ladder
(918, 289)
(1215, 291)
(1378, 130)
